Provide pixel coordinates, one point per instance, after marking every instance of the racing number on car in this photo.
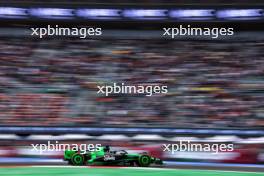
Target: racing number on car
(109, 157)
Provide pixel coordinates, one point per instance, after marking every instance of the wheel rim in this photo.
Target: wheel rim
(78, 160)
(144, 160)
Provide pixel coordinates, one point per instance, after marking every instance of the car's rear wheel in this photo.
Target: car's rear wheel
(144, 161)
(77, 160)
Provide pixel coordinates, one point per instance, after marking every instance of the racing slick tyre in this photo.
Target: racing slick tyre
(77, 160)
(144, 161)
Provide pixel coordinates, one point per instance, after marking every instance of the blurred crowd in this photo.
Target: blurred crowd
(54, 82)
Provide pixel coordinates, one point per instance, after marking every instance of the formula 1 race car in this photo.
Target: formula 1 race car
(111, 158)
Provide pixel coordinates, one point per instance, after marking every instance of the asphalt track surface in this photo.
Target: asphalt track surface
(114, 171)
(218, 166)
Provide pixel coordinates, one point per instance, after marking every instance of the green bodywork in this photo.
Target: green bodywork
(96, 154)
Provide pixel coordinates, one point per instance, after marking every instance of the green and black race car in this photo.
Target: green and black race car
(105, 157)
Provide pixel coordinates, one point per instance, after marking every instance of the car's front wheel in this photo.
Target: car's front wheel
(144, 161)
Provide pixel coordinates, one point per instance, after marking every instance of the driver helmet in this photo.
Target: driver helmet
(107, 148)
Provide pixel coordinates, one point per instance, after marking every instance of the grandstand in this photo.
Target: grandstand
(53, 82)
